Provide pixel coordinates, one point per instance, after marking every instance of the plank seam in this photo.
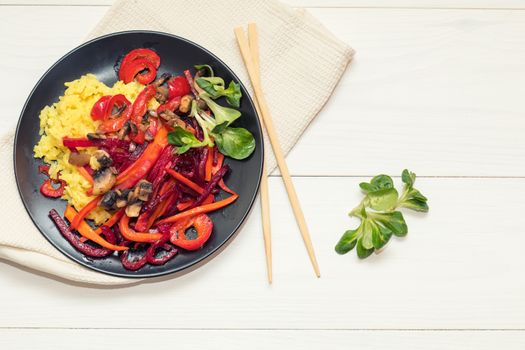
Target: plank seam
(306, 7)
(276, 329)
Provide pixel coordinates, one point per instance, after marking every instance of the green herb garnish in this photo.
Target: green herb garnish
(379, 214)
(215, 87)
(237, 143)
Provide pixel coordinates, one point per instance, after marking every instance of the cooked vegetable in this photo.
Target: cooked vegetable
(98, 112)
(155, 164)
(48, 188)
(137, 61)
(84, 248)
(379, 216)
(178, 87)
(103, 180)
(79, 158)
(85, 230)
(203, 226)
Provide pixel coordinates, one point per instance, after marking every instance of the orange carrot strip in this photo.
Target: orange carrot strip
(209, 164)
(225, 188)
(84, 212)
(134, 236)
(206, 208)
(86, 231)
(109, 223)
(185, 180)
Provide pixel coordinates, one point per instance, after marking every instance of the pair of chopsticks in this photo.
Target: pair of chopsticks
(250, 54)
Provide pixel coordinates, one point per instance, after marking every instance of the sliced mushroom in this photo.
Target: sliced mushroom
(167, 115)
(124, 131)
(103, 180)
(162, 79)
(96, 136)
(133, 209)
(152, 113)
(185, 103)
(109, 199)
(162, 94)
(103, 159)
(122, 198)
(148, 136)
(79, 159)
(141, 191)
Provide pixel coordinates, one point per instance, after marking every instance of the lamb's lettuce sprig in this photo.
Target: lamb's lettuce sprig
(379, 215)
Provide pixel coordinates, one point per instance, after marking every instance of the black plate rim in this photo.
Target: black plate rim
(189, 266)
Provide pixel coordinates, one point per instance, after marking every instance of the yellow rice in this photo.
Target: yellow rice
(70, 116)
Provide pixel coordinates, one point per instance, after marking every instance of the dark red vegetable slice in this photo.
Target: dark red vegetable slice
(210, 186)
(151, 253)
(136, 263)
(74, 240)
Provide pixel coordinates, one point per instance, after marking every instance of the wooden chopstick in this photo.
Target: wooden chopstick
(265, 201)
(272, 134)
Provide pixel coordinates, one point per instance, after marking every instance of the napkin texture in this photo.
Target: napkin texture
(301, 63)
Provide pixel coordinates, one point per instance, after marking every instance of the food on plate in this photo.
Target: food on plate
(141, 163)
(379, 214)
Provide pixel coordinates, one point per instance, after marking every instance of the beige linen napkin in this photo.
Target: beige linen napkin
(301, 63)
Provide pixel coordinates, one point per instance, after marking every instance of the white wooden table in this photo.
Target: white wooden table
(437, 87)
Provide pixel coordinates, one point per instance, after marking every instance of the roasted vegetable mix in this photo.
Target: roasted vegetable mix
(157, 171)
(379, 214)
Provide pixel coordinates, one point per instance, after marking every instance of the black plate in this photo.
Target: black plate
(99, 57)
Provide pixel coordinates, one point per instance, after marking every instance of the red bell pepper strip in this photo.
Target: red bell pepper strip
(178, 86)
(153, 126)
(84, 212)
(113, 124)
(171, 105)
(131, 235)
(189, 79)
(118, 103)
(131, 70)
(205, 208)
(140, 169)
(135, 54)
(183, 179)
(203, 226)
(44, 169)
(48, 190)
(98, 111)
(86, 231)
(209, 164)
(140, 105)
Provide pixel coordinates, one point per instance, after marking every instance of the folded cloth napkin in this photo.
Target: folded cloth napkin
(301, 63)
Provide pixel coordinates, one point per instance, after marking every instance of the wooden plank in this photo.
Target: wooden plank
(437, 91)
(430, 4)
(80, 339)
(460, 267)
